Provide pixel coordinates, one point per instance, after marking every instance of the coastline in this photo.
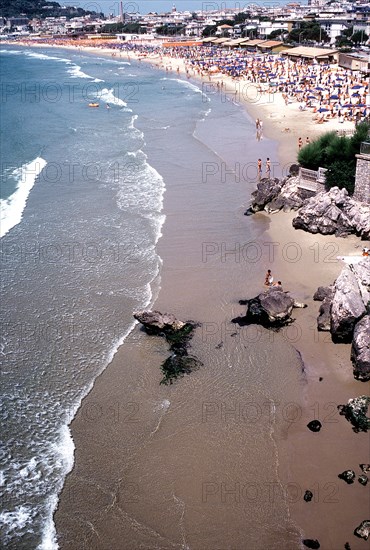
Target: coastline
(339, 447)
(320, 357)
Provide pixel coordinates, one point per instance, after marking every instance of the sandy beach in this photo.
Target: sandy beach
(107, 491)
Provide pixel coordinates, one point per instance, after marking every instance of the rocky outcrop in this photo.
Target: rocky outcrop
(324, 318)
(178, 334)
(360, 352)
(345, 312)
(334, 213)
(272, 308)
(330, 213)
(347, 306)
(268, 189)
(356, 413)
(156, 322)
(323, 292)
(363, 530)
(348, 476)
(273, 195)
(363, 479)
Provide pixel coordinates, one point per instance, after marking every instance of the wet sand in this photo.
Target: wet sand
(154, 464)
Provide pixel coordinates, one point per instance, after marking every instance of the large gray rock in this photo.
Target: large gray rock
(329, 213)
(334, 212)
(356, 413)
(362, 273)
(277, 305)
(363, 530)
(267, 190)
(272, 308)
(347, 306)
(323, 292)
(345, 311)
(360, 352)
(290, 197)
(155, 322)
(324, 318)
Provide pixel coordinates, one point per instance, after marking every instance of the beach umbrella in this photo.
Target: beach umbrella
(334, 97)
(319, 88)
(323, 110)
(356, 95)
(337, 85)
(356, 87)
(360, 105)
(311, 97)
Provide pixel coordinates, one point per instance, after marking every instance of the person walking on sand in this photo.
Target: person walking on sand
(300, 143)
(268, 167)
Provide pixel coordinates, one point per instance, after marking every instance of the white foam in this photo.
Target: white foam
(108, 97)
(49, 535)
(188, 85)
(43, 56)
(17, 519)
(75, 72)
(147, 187)
(63, 453)
(12, 208)
(14, 52)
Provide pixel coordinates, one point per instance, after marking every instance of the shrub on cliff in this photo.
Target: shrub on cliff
(337, 154)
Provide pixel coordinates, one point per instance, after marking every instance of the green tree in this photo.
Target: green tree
(337, 154)
(209, 30)
(359, 37)
(309, 30)
(116, 27)
(241, 17)
(277, 33)
(343, 42)
(167, 30)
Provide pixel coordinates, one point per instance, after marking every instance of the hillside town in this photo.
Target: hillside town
(344, 25)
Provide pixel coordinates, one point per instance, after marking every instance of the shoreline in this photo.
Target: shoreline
(320, 357)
